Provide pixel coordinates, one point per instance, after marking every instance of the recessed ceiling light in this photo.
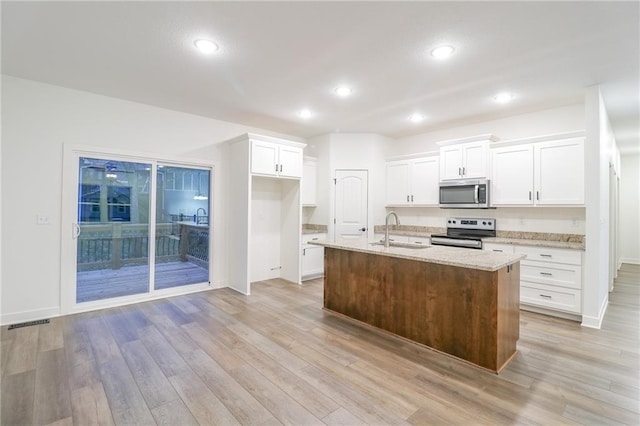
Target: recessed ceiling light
(416, 117)
(503, 98)
(443, 52)
(343, 91)
(305, 113)
(206, 46)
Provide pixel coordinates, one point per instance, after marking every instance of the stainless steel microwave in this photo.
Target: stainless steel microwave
(465, 194)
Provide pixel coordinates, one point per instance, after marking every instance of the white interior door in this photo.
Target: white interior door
(351, 203)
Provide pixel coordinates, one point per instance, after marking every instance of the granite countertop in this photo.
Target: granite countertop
(536, 239)
(311, 228)
(452, 256)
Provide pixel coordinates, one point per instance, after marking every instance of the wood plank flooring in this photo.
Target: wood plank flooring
(276, 357)
(108, 283)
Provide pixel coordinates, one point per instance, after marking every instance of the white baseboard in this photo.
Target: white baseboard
(630, 260)
(596, 322)
(33, 315)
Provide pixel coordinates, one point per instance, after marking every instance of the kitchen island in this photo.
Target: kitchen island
(461, 302)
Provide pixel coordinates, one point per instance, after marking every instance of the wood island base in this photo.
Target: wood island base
(468, 313)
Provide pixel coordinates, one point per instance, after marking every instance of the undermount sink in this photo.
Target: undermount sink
(402, 245)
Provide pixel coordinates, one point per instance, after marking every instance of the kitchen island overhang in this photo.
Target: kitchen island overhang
(462, 302)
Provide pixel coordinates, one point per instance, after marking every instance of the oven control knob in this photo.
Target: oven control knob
(489, 223)
(484, 223)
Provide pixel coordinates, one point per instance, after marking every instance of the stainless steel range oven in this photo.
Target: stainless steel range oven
(465, 232)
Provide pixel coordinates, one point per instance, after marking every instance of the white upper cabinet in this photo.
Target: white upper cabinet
(467, 160)
(512, 175)
(559, 172)
(424, 181)
(413, 182)
(274, 159)
(547, 173)
(398, 188)
(308, 188)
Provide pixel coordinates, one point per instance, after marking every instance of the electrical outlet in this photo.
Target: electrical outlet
(42, 219)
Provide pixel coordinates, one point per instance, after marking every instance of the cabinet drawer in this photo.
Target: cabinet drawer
(313, 237)
(562, 299)
(551, 274)
(500, 248)
(554, 255)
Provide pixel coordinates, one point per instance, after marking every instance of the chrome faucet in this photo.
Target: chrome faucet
(386, 226)
(204, 214)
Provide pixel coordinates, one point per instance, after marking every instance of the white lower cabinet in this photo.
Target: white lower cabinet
(499, 248)
(550, 278)
(312, 257)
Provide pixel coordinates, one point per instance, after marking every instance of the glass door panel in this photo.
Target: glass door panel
(182, 226)
(112, 254)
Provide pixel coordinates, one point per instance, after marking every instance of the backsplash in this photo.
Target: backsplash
(313, 228)
(554, 220)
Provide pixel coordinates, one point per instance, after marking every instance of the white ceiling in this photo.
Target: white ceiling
(277, 58)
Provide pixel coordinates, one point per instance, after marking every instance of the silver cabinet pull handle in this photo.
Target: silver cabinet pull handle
(538, 195)
(500, 251)
(529, 195)
(546, 273)
(546, 296)
(407, 198)
(412, 198)
(546, 255)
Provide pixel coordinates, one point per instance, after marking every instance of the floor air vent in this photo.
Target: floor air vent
(28, 323)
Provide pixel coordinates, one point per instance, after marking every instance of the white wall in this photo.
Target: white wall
(596, 258)
(630, 208)
(37, 119)
(360, 151)
(556, 120)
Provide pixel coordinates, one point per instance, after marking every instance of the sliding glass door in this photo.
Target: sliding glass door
(140, 227)
(112, 256)
(182, 226)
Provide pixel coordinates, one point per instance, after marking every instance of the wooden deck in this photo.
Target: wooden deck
(108, 283)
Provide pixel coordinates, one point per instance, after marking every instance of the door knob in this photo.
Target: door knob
(363, 229)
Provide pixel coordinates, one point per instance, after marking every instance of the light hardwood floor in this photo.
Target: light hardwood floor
(275, 357)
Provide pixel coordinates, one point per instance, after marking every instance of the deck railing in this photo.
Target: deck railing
(102, 248)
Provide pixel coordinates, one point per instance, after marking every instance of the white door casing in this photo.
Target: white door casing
(351, 203)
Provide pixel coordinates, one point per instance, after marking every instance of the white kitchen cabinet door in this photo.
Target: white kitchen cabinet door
(451, 162)
(289, 161)
(398, 189)
(308, 189)
(475, 156)
(264, 158)
(312, 261)
(464, 161)
(559, 177)
(425, 176)
(512, 175)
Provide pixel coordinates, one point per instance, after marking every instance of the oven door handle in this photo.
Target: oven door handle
(476, 194)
